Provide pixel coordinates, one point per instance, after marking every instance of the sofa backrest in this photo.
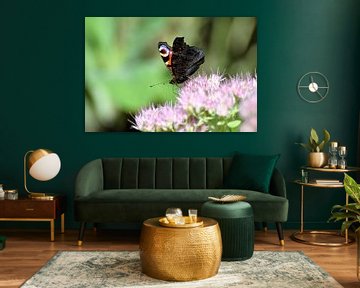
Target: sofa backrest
(164, 173)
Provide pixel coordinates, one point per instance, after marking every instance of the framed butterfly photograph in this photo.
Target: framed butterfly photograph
(170, 74)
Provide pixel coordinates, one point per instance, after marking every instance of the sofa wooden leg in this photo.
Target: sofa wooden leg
(265, 227)
(81, 233)
(280, 233)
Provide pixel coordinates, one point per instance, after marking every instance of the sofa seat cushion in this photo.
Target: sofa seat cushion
(266, 207)
(166, 195)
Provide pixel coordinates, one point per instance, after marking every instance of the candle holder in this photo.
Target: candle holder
(304, 176)
(333, 149)
(342, 153)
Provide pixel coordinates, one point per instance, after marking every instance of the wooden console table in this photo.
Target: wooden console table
(27, 209)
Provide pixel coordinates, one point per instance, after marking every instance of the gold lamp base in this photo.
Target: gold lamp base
(41, 196)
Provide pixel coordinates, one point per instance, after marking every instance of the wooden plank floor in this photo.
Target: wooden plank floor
(28, 250)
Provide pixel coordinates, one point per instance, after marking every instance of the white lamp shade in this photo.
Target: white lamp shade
(46, 168)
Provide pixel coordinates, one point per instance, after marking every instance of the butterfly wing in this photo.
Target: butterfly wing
(185, 61)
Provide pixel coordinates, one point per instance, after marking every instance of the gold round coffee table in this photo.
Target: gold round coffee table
(180, 254)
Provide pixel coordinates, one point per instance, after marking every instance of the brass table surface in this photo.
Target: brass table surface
(180, 254)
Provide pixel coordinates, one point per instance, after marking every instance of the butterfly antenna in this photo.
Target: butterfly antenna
(163, 83)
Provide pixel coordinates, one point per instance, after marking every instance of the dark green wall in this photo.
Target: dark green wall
(42, 81)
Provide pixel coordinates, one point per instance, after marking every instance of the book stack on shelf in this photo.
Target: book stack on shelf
(327, 181)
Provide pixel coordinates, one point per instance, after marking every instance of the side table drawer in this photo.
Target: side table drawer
(30, 209)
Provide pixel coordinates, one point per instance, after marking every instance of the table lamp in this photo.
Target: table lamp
(43, 165)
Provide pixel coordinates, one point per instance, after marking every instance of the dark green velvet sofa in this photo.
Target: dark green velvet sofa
(131, 190)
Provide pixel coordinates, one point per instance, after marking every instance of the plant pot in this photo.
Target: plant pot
(317, 159)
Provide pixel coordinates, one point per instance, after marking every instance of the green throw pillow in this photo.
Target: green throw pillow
(251, 172)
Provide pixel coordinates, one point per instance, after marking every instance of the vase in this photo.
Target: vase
(317, 159)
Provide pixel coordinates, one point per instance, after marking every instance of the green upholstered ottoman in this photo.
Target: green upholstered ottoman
(236, 221)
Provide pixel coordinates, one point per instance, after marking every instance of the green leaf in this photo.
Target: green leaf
(336, 216)
(234, 124)
(346, 225)
(326, 136)
(352, 188)
(354, 210)
(321, 146)
(314, 135)
(305, 146)
(352, 207)
(313, 145)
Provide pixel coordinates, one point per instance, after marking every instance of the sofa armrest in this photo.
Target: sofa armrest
(277, 184)
(89, 179)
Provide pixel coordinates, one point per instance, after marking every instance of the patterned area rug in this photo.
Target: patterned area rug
(122, 269)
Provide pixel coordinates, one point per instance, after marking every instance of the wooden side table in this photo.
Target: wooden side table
(27, 209)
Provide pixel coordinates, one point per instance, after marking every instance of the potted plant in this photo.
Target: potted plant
(317, 157)
(350, 214)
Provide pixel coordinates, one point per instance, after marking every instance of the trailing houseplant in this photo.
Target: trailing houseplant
(317, 157)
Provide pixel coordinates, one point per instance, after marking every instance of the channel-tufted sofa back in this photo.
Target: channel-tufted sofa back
(160, 173)
(164, 173)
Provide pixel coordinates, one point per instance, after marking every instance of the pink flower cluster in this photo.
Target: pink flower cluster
(206, 104)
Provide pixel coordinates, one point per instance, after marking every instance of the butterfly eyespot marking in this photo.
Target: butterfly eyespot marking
(164, 51)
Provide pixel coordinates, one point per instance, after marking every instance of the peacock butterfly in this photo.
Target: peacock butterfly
(181, 59)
